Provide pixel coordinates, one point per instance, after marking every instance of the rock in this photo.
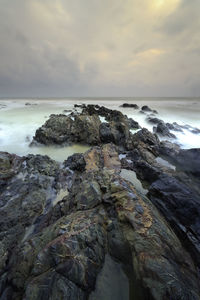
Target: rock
(76, 162)
(195, 131)
(133, 124)
(181, 207)
(86, 128)
(106, 134)
(153, 120)
(79, 105)
(163, 130)
(145, 136)
(135, 106)
(168, 149)
(62, 129)
(146, 108)
(67, 110)
(57, 251)
(189, 161)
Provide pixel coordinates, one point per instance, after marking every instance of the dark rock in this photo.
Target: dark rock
(153, 120)
(135, 106)
(105, 133)
(163, 130)
(195, 131)
(76, 162)
(61, 129)
(145, 136)
(57, 252)
(189, 161)
(133, 124)
(146, 108)
(67, 110)
(169, 149)
(181, 207)
(79, 105)
(86, 128)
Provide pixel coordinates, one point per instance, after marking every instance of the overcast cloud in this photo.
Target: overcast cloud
(99, 48)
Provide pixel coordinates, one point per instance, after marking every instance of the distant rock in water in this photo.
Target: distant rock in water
(135, 106)
(146, 108)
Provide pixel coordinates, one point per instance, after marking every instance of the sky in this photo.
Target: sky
(58, 48)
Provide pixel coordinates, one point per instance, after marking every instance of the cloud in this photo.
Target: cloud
(92, 47)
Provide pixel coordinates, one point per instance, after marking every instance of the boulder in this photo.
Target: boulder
(62, 129)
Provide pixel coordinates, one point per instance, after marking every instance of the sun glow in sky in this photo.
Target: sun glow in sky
(92, 47)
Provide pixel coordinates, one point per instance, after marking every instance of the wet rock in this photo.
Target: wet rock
(64, 250)
(79, 105)
(145, 136)
(67, 110)
(62, 129)
(189, 161)
(133, 124)
(135, 106)
(195, 131)
(146, 108)
(76, 162)
(181, 207)
(169, 149)
(86, 128)
(163, 130)
(153, 120)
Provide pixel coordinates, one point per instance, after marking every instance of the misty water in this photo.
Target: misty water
(19, 121)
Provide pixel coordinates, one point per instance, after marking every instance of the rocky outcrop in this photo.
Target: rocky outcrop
(86, 128)
(54, 247)
(60, 222)
(62, 129)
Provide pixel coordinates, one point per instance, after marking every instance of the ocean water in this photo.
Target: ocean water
(18, 121)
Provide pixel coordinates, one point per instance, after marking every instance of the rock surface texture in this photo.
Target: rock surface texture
(59, 222)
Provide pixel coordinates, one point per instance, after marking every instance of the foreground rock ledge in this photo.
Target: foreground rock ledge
(53, 246)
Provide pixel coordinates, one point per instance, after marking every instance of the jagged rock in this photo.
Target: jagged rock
(181, 207)
(86, 128)
(169, 149)
(133, 124)
(62, 253)
(144, 135)
(76, 162)
(61, 129)
(153, 120)
(163, 130)
(188, 161)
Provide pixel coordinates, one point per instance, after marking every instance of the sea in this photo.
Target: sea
(19, 119)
